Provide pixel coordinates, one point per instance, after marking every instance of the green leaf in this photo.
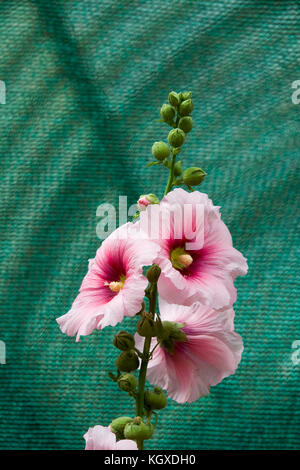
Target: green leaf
(153, 163)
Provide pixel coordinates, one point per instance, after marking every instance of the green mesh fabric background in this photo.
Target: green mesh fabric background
(84, 84)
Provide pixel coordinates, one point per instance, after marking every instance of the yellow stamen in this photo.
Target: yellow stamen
(180, 259)
(116, 286)
(185, 260)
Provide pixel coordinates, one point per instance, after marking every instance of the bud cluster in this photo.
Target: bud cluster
(177, 114)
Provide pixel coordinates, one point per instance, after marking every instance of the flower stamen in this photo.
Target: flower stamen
(116, 286)
(180, 259)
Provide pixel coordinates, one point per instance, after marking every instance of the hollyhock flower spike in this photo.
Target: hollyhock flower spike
(101, 438)
(114, 286)
(191, 265)
(197, 350)
(196, 256)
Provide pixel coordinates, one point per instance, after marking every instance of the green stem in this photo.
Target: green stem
(171, 175)
(142, 378)
(145, 360)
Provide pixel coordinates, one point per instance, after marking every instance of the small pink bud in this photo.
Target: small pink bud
(147, 199)
(143, 203)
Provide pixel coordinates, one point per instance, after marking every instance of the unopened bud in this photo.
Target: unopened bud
(193, 176)
(155, 399)
(176, 137)
(127, 361)
(160, 150)
(177, 168)
(153, 273)
(117, 426)
(137, 430)
(174, 98)
(127, 382)
(170, 334)
(186, 95)
(167, 112)
(186, 124)
(146, 326)
(124, 341)
(186, 107)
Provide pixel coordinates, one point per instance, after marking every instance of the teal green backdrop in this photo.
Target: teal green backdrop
(84, 84)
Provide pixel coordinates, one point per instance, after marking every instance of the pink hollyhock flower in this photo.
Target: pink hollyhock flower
(200, 351)
(197, 259)
(114, 285)
(101, 438)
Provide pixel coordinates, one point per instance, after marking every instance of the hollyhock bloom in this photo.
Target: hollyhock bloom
(197, 259)
(101, 438)
(202, 350)
(114, 285)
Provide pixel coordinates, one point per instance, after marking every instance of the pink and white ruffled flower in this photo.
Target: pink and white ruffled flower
(102, 438)
(210, 352)
(114, 285)
(196, 256)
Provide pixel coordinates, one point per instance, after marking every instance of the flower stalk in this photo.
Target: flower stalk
(189, 328)
(146, 357)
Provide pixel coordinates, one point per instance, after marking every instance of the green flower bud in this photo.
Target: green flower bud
(137, 430)
(127, 382)
(146, 326)
(193, 176)
(160, 150)
(174, 99)
(117, 426)
(167, 112)
(153, 273)
(124, 341)
(176, 137)
(170, 334)
(127, 361)
(177, 168)
(156, 399)
(186, 95)
(186, 107)
(186, 124)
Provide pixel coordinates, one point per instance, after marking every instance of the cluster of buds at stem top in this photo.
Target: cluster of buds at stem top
(177, 114)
